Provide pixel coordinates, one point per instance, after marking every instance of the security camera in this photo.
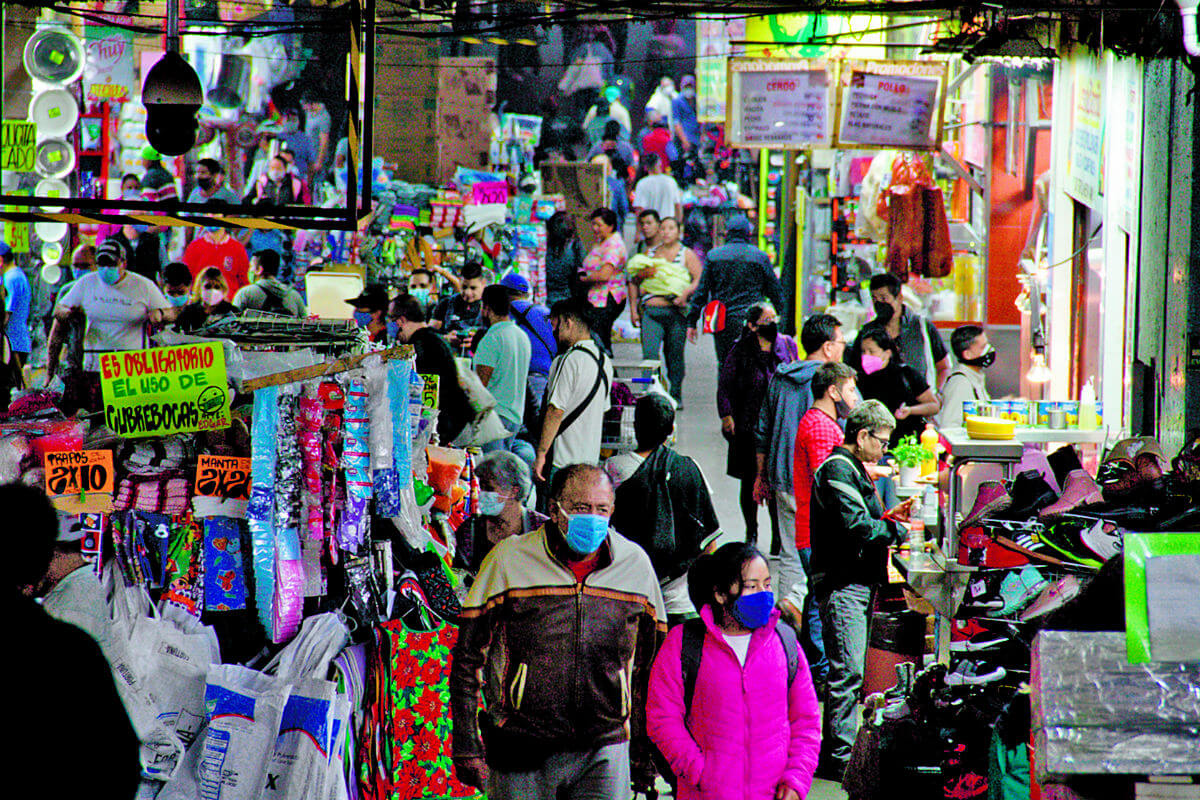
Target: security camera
(172, 96)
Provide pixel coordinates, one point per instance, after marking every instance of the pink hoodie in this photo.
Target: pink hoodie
(747, 731)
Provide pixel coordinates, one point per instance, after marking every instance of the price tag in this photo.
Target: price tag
(78, 472)
(223, 476)
(489, 192)
(429, 395)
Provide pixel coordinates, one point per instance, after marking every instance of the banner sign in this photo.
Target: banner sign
(18, 145)
(714, 45)
(73, 472)
(165, 390)
(429, 394)
(785, 104)
(891, 104)
(223, 476)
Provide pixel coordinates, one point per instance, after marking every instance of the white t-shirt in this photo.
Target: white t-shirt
(740, 642)
(572, 376)
(621, 467)
(659, 192)
(675, 596)
(116, 315)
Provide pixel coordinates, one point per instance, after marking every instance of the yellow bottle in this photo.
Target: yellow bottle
(929, 440)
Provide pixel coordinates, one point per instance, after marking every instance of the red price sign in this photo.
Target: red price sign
(223, 476)
(70, 472)
(489, 192)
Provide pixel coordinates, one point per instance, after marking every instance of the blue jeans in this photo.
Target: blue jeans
(518, 447)
(812, 640)
(844, 618)
(665, 328)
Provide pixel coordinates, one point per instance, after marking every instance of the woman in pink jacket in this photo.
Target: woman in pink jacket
(748, 735)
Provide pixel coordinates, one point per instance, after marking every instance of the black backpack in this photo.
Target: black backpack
(693, 648)
(273, 303)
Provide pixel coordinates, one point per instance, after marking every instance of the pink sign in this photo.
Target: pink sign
(489, 192)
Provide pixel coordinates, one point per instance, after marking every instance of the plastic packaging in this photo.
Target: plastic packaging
(352, 531)
(1087, 406)
(260, 513)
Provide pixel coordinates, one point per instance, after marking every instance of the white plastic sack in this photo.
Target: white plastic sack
(173, 667)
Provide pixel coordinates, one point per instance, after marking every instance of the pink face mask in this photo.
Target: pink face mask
(871, 364)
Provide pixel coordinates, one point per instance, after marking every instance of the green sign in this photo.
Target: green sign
(18, 146)
(165, 390)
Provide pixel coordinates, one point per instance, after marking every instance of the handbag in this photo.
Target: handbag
(483, 430)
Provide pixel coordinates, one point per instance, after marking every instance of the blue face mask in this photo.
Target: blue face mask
(362, 318)
(754, 610)
(491, 503)
(109, 275)
(585, 532)
(177, 300)
(393, 331)
(79, 272)
(420, 294)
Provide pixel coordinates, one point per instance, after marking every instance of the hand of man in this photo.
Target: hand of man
(785, 792)
(727, 426)
(760, 490)
(539, 464)
(635, 320)
(680, 301)
(692, 335)
(902, 412)
(472, 771)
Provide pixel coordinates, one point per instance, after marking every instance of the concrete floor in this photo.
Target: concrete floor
(698, 431)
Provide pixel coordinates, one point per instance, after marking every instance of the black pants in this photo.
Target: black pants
(602, 323)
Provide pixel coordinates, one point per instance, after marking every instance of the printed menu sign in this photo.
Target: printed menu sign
(783, 104)
(889, 110)
(165, 390)
(891, 104)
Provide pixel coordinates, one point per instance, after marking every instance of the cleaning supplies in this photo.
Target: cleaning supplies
(1087, 406)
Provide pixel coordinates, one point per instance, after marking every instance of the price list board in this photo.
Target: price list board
(783, 104)
(891, 104)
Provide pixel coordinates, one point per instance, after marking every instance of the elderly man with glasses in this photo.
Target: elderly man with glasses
(849, 550)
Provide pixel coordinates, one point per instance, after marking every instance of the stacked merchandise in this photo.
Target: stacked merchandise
(238, 561)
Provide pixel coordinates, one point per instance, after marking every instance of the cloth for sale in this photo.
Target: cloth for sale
(356, 458)
(185, 566)
(404, 747)
(224, 570)
(918, 238)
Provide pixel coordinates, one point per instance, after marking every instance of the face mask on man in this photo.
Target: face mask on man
(491, 504)
(585, 532)
(420, 294)
(984, 360)
(177, 300)
(845, 403)
(205, 183)
(79, 272)
(362, 318)
(884, 312)
(769, 331)
(109, 275)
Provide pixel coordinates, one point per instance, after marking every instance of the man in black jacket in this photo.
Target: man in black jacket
(849, 548)
(665, 505)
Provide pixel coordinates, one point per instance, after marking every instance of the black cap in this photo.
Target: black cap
(373, 298)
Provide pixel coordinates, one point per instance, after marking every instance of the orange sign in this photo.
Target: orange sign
(223, 476)
(70, 472)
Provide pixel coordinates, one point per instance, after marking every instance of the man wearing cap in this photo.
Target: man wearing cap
(116, 305)
(370, 311)
(738, 275)
(535, 321)
(502, 363)
(16, 306)
(268, 293)
(216, 248)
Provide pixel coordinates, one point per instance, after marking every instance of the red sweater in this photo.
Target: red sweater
(229, 257)
(816, 437)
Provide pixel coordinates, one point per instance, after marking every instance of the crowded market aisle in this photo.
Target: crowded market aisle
(698, 432)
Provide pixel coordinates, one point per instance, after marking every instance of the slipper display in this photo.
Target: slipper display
(991, 499)
(1053, 597)
(1079, 490)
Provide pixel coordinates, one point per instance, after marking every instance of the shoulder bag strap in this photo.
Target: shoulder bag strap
(689, 660)
(601, 378)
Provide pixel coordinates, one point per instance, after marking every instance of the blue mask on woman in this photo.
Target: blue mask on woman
(362, 318)
(491, 503)
(754, 610)
(585, 532)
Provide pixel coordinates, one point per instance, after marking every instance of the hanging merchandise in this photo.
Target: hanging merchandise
(918, 231)
(356, 456)
(289, 570)
(261, 511)
(224, 569)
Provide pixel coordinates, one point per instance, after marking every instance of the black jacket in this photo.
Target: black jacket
(849, 538)
(665, 507)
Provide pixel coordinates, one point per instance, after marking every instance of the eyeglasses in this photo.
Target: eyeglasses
(885, 442)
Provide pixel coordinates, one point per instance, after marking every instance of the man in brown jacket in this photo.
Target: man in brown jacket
(557, 638)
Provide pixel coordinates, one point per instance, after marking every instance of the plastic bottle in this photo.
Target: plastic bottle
(1087, 406)
(916, 533)
(929, 440)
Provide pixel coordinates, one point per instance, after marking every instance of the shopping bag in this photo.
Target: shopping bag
(488, 428)
(480, 399)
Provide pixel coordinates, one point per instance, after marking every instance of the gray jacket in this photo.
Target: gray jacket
(789, 396)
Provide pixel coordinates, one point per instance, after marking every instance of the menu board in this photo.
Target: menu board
(891, 104)
(785, 104)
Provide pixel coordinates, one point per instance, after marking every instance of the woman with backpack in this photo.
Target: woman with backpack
(731, 705)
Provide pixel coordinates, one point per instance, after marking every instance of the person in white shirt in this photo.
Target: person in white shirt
(658, 191)
(577, 393)
(117, 306)
(967, 380)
